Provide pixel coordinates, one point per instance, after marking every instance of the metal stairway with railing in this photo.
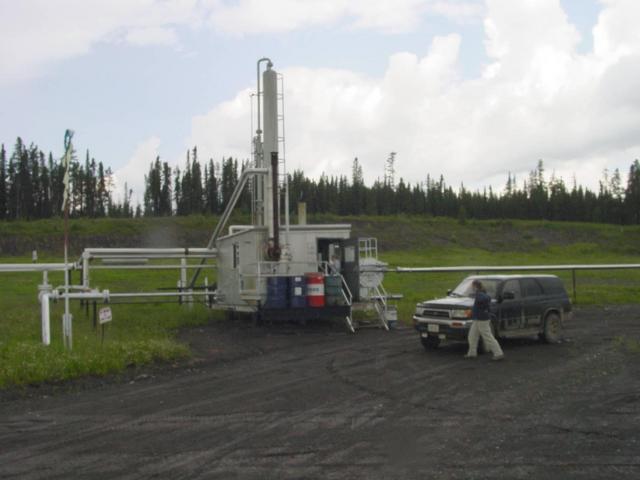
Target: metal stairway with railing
(373, 295)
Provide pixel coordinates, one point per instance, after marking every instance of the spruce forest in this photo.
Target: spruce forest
(31, 187)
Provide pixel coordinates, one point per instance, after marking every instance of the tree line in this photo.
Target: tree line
(31, 186)
(535, 198)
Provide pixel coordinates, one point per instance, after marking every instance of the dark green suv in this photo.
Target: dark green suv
(521, 305)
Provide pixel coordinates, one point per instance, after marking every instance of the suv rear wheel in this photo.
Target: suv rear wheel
(552, 328)
(430, 343)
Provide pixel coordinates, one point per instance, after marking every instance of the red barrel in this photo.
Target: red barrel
(315, 289)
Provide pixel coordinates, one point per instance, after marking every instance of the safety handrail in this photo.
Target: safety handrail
(345, 288)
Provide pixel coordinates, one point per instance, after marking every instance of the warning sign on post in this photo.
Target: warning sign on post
(105, 315)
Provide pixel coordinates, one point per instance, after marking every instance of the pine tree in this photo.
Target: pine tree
(632, 194)
(90, 186)
(153, 189)
(197, 196)
(211, 188)
(617, 194)
(357, 188)
(101, 186)
(3, 183)
(12, 189)
(166, 208)
(45, 188)
(177, 191)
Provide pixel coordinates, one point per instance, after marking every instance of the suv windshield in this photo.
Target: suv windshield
(466, 290)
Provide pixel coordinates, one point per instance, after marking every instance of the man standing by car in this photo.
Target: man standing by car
(480, 326)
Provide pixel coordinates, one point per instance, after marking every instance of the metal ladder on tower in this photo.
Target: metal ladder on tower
(283, 179)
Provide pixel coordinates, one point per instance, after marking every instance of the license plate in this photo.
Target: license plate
(433, 328)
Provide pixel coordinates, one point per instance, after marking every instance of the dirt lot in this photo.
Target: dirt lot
(293, 402)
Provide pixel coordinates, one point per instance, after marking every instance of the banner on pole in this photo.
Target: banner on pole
(66, 161)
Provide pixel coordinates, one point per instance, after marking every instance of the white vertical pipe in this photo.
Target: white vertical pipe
(46, 319)
(67, 318)
(260, 181)
(183, 280)
(183, 276)
(85, 270)
(270, 139)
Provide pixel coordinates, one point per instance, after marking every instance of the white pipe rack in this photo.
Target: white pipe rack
(97, 295)
(147, 253)
(494, 268)
(148, 267)
(34, 267)
(183, 252)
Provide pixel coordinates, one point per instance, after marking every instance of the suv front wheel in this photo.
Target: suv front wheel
(552, 328)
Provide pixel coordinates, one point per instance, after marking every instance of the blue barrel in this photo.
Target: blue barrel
(277, 292)
(298, 291)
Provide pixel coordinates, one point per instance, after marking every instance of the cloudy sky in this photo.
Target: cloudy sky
(470, 89)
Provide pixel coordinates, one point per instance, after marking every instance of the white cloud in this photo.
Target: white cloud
(257, 16)
(152, 36)
(135, 169)
(538, 98)
(617, 32)
(38, 33)
(458, 11)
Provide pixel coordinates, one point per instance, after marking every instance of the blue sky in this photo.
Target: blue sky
(117, 92)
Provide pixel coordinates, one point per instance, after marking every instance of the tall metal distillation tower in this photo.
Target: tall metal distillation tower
(266, 204)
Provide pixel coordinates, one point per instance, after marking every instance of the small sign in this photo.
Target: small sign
(105, 315)
(350, 254)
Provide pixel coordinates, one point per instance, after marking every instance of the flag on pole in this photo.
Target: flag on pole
(66, 161)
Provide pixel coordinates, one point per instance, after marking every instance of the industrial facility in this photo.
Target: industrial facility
(276, 270)
(270, 269)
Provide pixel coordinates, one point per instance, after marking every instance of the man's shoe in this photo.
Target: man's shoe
(498, 358)
(470, 356)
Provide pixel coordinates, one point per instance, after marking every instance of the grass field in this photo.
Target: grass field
(144, 333)
(138, 334)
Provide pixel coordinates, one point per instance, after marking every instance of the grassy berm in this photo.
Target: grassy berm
(145, 333)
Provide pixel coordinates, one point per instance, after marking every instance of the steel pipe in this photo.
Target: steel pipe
(33, 267)
(148, 267)
(494, 268)
(46, 319)
(158, 251)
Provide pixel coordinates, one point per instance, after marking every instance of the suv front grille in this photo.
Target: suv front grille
(429, 312)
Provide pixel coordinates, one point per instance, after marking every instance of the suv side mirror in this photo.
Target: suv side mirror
(508, 295)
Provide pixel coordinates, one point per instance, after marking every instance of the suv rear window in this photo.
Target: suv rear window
(531, 287)
(552, 285)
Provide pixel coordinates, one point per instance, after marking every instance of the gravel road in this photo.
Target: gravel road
(304, 403)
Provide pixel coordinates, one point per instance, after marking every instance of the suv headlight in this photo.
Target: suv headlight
(466, 313)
